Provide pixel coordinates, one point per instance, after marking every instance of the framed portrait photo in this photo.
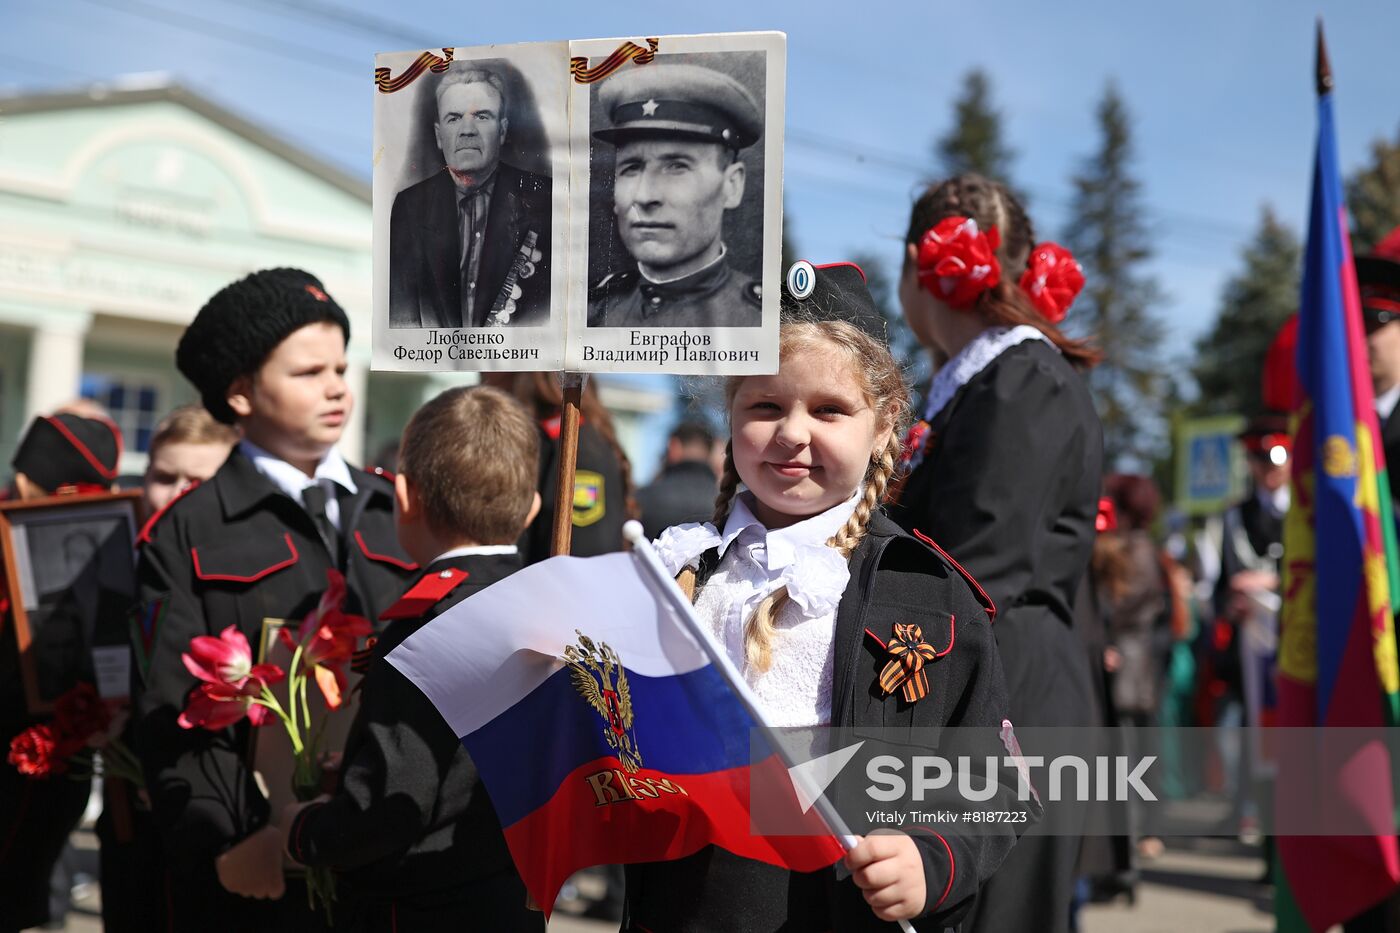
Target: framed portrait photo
(70, 570)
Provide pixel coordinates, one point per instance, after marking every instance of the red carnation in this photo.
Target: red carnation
(35, 752)
(78, 715)
(958, 262)
(1052, 279)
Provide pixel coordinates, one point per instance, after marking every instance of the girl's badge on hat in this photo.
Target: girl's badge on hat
(801, 280)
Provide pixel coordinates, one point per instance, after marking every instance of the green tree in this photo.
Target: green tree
(905, 348)
(974, 143)
(1373, 196)
(1253, 306)
(1107, 231)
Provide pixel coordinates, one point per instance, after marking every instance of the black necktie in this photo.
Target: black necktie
(314, 498)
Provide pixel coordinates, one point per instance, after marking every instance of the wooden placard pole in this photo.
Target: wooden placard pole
(562, 533)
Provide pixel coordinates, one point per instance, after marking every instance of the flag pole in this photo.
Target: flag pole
(561, 535)
(642, 549)
(1324, 66)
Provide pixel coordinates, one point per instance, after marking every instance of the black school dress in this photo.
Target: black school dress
(895, 579)
(1008, 484)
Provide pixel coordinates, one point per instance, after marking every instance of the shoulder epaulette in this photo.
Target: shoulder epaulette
(977, 590)
(148, 530)
(382, 473)
(425, 594)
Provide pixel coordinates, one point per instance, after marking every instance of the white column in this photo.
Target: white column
(352, 442)
(55, 365)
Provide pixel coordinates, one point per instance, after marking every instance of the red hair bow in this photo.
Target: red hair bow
(958, 262)
(1052, 279)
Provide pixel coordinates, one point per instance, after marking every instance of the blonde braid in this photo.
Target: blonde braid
(877, 481)
(728, 486)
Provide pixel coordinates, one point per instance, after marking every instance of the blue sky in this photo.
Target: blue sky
(1220, 94)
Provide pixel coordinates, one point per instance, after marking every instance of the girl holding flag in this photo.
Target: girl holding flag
(816, 595)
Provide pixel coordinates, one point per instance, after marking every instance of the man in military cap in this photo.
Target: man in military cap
(1378, 274)
(469, 245)
(678, 130)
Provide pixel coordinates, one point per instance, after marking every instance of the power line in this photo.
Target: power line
(1179, 225)
(308, 55)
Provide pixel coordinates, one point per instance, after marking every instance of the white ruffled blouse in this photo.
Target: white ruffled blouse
(796, 689)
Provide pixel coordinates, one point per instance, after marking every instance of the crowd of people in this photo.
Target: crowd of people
(832, 530)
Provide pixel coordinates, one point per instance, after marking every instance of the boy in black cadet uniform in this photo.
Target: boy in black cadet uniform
(58, 454)
(256, 541)
(410, 831)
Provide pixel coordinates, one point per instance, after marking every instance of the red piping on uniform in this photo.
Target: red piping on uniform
(108, 473)
(145, 537)
(387, 558)
(952, 636)
(982, 596)
(194, 553)
(837, 265)
(952, 872)
(883, 646)
(393, 917)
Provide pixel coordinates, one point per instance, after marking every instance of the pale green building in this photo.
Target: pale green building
(123, 207)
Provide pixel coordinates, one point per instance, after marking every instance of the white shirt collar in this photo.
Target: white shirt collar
(709, 265)
(1385, 402)
(972, 359)
(480, 550)
(292, 481)
(782, 544)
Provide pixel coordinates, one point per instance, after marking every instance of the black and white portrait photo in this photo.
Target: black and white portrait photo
(676, 196)
(71, 569)
(470, 235)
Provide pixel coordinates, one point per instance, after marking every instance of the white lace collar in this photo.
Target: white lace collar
(972, 359)
(814, 573)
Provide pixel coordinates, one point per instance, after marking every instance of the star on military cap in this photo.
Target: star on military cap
(679, 100)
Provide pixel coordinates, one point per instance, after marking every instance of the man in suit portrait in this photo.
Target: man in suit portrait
(677, 131)
(469, 244)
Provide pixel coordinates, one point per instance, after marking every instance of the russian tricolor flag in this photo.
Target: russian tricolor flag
(605, 730)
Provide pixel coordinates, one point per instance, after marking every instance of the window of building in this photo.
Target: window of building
(134, 401)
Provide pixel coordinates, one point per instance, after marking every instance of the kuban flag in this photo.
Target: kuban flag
(1337, 663)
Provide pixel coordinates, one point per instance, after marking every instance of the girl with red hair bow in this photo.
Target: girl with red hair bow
(1006, 476)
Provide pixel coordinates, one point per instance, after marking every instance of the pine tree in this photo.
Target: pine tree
(905, 348)
(974, 143)
(1107, 232)
(1254, 305)
(1373, 196)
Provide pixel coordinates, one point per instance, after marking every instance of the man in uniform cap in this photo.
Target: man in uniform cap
(1378, 275)
(678, 130)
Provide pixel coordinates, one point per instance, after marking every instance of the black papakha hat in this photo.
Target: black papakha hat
(836, 291)
(69, 450)
(687, 101)
(237, 329)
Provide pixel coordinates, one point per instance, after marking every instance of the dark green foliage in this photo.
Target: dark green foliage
(1108, 234)
(1253, 306)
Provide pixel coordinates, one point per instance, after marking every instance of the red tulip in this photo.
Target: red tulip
(327, 638)
(218, 706)
(225, 660)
